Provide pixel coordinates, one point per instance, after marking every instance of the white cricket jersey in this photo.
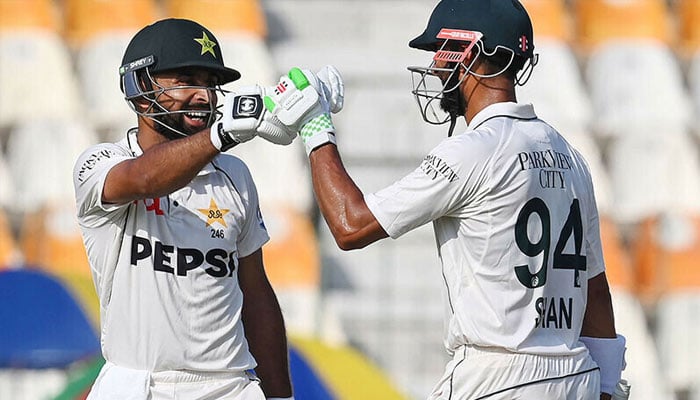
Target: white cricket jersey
(166, 269)
(517, 230)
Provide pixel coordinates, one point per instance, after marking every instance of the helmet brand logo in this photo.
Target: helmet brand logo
(523, 43)
(458, 34)
(138, 64)
(207, 44)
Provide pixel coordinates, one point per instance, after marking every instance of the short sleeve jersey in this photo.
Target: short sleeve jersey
(165, 269)
(517, 230)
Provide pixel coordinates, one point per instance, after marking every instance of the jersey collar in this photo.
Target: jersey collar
(132, 141)
(137, 151)
(508, 110)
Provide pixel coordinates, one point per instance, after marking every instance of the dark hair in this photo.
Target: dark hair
(499, 61)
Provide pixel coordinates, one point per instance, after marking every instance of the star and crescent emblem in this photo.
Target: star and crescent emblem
(214, 213)
(207, 44)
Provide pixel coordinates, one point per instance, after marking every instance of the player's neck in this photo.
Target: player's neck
(486, 92)
(147, 135)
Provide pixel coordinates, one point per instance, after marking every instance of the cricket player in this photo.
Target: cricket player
(174, 235)
(527, 305)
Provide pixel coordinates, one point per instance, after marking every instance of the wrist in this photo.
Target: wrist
(609, 354)
(219, 138)
(319, 140)
(317, 132)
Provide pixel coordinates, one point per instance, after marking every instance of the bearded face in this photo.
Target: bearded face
(453, 102)
(174, 125)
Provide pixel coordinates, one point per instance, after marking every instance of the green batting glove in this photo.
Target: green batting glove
(302, 106)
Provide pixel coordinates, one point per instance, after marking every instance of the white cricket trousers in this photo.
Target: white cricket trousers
(118, 383)
(493, 374)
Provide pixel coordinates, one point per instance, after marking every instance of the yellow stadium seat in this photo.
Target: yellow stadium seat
(31, 45)
(666, 253)
(688, 13)
(292, 256)
(549, 19)
(28, 14)
(599, 21)
(87, 19)
(50, 240)
(617, 259)
(221, 15)
(8, 246)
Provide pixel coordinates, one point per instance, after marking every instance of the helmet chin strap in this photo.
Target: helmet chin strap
(453, 122)
(456, 110)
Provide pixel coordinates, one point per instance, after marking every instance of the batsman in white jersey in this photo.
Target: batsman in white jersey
(527, 305)
(174, 234)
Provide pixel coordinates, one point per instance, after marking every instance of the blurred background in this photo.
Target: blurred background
(620, 79)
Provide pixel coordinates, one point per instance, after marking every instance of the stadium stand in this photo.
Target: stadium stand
(293, 265)
(627, 95)
(643, 365)
(643, 122)
(41, 154)
(666, 251)
(36, 73)
(688, 12)
(661, 157)
(388, 133)
(98, 32)
(643, 109)
(597, 21)
(9, 252)
(367, 40)
(40, 157)
(50, 240)
(240, 27)
(550, 19)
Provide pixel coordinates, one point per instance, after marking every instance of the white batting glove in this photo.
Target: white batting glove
(329, 84)
(244, 117)
(622, 390)
(303, 102)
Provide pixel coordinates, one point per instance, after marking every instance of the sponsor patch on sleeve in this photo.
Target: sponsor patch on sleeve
(92, 160)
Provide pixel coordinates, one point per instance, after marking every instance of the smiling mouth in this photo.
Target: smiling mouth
(197, 119)
(201, 116)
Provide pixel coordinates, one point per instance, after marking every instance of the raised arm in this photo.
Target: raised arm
(341, 202)
(161, 169)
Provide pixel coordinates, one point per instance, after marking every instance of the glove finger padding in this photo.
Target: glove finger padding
(272, 130)
(294, 100)
(334, 87)
(300, 102)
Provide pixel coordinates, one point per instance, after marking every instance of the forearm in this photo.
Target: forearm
(599, 320)
(598, 333)
(162, 169)
(267, 341)
(264, 327)
(341, 202)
